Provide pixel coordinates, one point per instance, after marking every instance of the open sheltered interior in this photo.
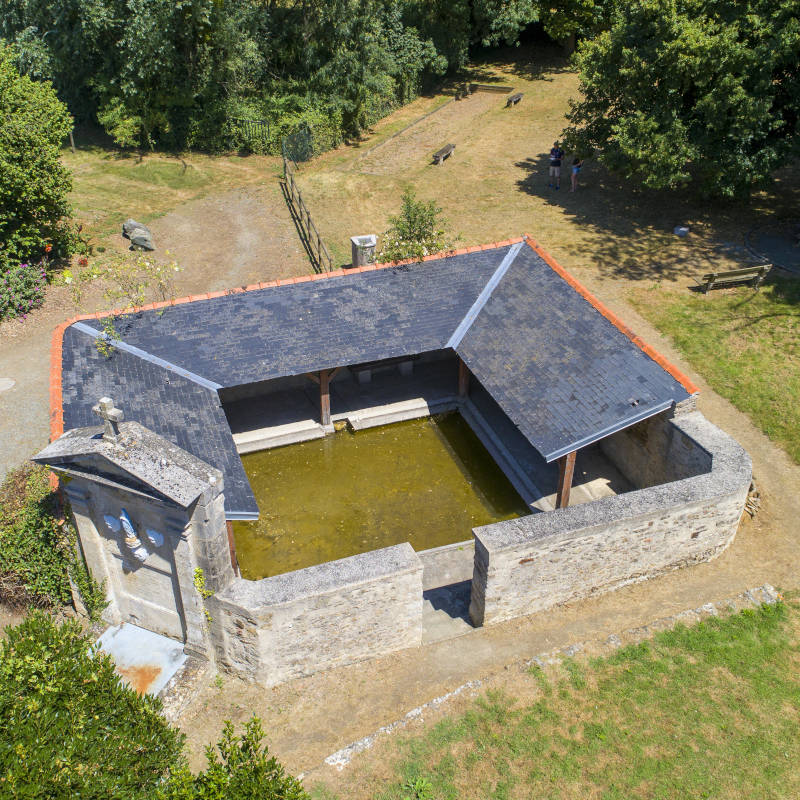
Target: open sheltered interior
(326, 495)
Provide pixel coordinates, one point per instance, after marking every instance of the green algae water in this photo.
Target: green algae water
(426, 481)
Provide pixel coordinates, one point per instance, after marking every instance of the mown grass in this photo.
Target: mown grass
(709, 711)
(110, 185)
(745, 343)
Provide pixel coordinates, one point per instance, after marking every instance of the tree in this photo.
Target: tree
(70, 728)
(34, 184)
(244, 769)
(681, 91)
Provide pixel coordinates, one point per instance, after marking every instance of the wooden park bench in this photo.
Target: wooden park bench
(514, 99)
(755, 274)
(440, 155)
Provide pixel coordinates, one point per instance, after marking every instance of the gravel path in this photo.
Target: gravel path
(231, 239)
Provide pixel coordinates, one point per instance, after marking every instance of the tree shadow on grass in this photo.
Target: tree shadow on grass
(632, 227)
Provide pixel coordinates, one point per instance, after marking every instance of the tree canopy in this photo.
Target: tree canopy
(682, 91)
(171, 73)
(34, 184)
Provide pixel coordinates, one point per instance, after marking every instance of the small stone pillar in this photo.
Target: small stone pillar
(151, 522)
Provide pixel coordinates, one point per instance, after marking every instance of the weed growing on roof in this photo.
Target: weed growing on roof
(128, 284)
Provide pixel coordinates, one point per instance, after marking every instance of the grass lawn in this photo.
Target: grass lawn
(745, 343)
(108, 185)
(709, 711)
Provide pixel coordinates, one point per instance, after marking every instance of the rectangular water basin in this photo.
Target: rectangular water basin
(426, 481)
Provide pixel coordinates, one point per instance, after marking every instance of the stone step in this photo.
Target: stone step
(277, 436)
(395, 412)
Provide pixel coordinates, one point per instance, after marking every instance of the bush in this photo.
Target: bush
(245, 770)
(34, 184)
(417, 231)
(38, 554)
(22, 288)
(70, 728)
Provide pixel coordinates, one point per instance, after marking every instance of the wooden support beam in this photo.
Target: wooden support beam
(232, 549)
(566, 469)
(463, 379)
(324, 396)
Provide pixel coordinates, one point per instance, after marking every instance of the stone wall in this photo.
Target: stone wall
(157, 593)
(530, 564)
(655, 451)
(337, 613)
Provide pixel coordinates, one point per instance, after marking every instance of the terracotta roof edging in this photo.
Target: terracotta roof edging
(666, 365)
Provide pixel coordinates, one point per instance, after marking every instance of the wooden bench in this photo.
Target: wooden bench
(363, 372)
(755, 274)
(514, 99)
(440, 155)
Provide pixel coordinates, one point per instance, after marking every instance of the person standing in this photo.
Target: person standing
(556, 154)
(577, 163)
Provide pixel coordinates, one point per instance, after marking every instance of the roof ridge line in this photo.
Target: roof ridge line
(149, 357)
(483, 298)
(666, 365)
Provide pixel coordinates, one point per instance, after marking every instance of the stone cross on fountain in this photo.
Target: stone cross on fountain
(112, 417)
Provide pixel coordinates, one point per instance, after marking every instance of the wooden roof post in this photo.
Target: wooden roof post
(463, 379)
(324, 396)
(566, 469)
(232, 549)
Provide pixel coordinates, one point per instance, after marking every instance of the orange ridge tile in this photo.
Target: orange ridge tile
(684, 380)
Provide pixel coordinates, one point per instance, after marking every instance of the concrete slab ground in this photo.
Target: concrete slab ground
(144, 660)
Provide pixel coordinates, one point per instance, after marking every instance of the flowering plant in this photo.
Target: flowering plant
(22, 288)
(417, 231)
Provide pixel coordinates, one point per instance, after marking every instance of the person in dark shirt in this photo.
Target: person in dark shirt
(556, 154)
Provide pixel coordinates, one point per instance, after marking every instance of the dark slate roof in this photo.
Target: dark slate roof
(562, 372)
(558, 368)
(178, 409)
(302, 327)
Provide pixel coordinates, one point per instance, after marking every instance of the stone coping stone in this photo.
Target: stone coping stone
(149, 458)
(731, 470)
(329, 577)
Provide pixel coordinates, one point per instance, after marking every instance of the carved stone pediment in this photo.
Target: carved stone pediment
(137, 461)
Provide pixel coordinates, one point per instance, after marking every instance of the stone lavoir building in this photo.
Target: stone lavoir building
(555, 386)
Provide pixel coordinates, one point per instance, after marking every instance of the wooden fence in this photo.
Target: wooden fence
(320, 256)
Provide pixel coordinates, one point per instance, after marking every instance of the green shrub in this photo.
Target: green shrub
(22, 288)
(243, 769)
(34, 184)
(38, 553)
(70, 729)
(417, 231)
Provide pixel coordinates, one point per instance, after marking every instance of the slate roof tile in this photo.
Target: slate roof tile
(558, 368)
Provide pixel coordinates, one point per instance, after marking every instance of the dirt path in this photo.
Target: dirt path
(235, 238)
